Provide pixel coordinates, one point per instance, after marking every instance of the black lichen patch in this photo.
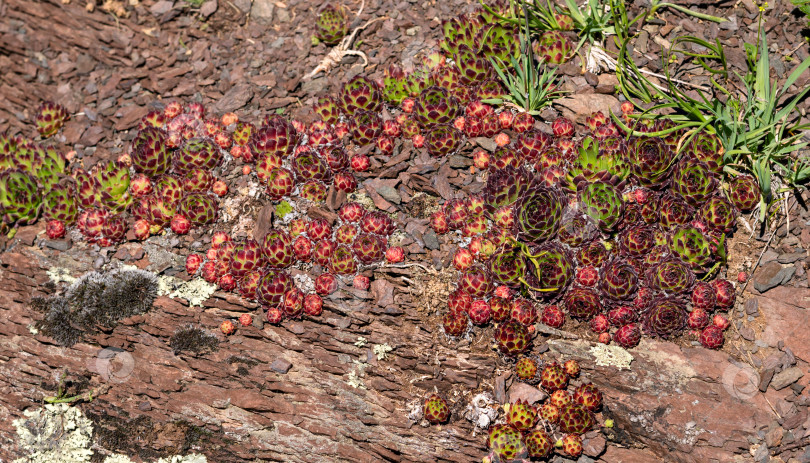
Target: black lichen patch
(193, 339)
(149, 440)
(240, 359)
(96, 301)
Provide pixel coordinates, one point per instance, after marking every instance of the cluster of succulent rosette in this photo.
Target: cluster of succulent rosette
(605, 228)
(570, 409)
(260, 270)
(31, 183)
(167, 179)
(172, 159)
(611, 230)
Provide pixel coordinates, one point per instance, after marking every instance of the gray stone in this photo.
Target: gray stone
(208, 8)
(296, 328)
(771, 275)
(765, 379)
(594, 446)
(747, 333)
(523, 391)
(787, 274)
(161, 7)
(431, 240)
(751, 306)
(789, 358)
(59, 245)
(486, 143)
(769, 256)
(234, 99)
(281, 365)
(578, 106)
(391, 194)
(314, 86)
(791, 257)
(761, 454)
(243, 5)
(774, 437)
(262, 11)
(731, 24)
(458, 161)
(500, 388)
(785, 378)
(283, 15)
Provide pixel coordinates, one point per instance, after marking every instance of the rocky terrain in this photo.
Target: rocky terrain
(346, 386)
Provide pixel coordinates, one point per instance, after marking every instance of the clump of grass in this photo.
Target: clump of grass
(757, 123)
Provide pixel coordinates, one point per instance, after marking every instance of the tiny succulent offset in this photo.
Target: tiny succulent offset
(332, 23)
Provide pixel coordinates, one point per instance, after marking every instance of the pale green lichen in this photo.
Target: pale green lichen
(59, 433)
(56, 433)
(355, 375)
(361, 341)
(381, 351)
(355, 381)
(610, 355)
(195, 291)
(283, 208)
(59, 275)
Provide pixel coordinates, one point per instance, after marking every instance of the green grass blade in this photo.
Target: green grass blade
(697, 14)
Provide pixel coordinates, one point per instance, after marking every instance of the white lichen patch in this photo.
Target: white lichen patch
(361, 341)
(191, 458)
(360, 196)
(159, 257)
(117, 458)
(355, 376)
(481, 411)
(304, 282)
(56, 433)
(59, 275)
(415, 411)
(381, 351)
(676, 367)
(59, 433)
(396, 238)
(355, 381)
(194, 291)
(611, 355)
